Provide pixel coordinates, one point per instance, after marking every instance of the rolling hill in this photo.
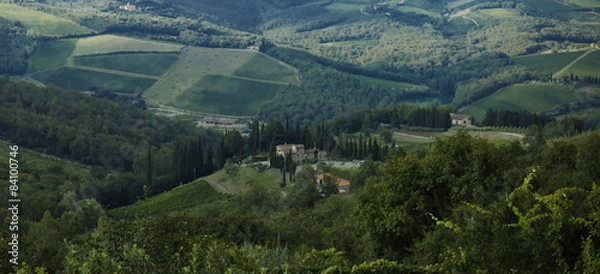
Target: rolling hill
(222, 81)
(522, 97)
(41, 23)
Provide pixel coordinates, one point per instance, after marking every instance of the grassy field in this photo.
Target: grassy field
(430, 5)
(271, 70)
(226, 95)
(40, 22)
(385, 83)
(246, 177)
(79, 79)
(144, 63)
(528, 97)
(584, 3)
(592, 17)
(103, 44)
(418, 11)
(544, 64)
(183, 197)
(499, 13)
(52, 54)
(587, 66)
(458, 3)
(547, 6)
(198, 194)
(223, 81)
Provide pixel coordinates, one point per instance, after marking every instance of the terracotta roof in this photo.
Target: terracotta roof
(340, 182)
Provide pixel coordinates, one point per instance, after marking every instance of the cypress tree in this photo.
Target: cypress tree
(208, 166)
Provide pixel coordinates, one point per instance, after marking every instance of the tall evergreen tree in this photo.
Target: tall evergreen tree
(208, 163)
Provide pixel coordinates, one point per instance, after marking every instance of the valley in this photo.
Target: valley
(308, 136)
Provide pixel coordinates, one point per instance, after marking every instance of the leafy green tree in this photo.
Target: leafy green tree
(304, 193)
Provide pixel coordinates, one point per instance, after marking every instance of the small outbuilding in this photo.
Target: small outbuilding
(461, 119)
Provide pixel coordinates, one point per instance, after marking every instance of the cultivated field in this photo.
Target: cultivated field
(224, 81)
(80, 79)
(584, 3)
(586, 66)
(527, 97)
(226, 95)
(271, 70)
(547, 6)
(143, 63)
(458, 3)
(104, 44)
(418, 11)
(544, 64)
(499, 13)
(42, 23)
(208, 80)
(52, 54)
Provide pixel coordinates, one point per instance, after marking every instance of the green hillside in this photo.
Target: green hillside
(143, 63)
(528, 97)
(180, 198)
(224, 81)
(82, 80)
(544, 64)
(197, 194)
(586, 66)
(103, 44)
(52, 54)
(41, 23)
(225, 95)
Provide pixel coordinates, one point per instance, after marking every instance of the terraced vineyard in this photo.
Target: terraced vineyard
(223, 81)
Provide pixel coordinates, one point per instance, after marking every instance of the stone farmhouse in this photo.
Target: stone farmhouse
(461, 119)
(299, 153)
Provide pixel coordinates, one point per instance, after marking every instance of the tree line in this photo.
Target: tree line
(16, 47)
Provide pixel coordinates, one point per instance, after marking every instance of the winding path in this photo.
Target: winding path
(218, 187)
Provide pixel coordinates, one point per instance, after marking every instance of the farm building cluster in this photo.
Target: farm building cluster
(299, 153)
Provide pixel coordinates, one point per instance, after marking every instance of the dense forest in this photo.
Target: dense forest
(16, 47)
(533, 208)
